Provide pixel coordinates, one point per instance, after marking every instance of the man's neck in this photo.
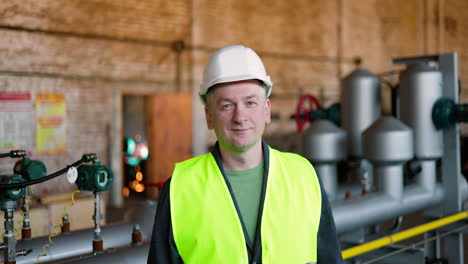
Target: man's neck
(235, 160)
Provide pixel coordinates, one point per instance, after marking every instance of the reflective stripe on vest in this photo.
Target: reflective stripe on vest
(207, 229)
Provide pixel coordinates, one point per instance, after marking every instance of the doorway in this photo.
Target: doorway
(156, 133)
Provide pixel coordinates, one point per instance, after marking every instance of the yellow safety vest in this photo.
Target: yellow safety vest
(207, 228)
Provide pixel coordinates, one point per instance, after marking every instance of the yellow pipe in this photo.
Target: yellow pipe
(381, 242)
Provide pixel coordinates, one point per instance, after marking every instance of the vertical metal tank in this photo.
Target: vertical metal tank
(388, 144)
(360, 107)
(420, 87)
(324, 146)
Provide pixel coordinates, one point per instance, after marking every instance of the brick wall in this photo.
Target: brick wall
(95, 51)
(290, 36)
(92, 52)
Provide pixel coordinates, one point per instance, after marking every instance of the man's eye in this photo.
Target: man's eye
(226, 106)
(251, 103)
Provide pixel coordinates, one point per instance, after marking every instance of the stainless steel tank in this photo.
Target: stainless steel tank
(420, 87)
(324, 142)
(388, 143)
(360, 107)
(325, 145)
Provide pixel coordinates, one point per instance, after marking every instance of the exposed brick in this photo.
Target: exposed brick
(375, 30)
(149, 20)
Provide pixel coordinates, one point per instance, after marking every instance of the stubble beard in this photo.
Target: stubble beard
(239, 147)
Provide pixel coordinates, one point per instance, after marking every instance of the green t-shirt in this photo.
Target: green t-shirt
(247, 188)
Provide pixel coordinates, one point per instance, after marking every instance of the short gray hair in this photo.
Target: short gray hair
(209, 94)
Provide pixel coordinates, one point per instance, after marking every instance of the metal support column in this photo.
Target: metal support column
(451, 174)
(115, 155)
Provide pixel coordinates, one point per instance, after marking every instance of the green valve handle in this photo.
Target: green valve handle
(446, 113)
(12, 194)
(94, 178)
(331, 114)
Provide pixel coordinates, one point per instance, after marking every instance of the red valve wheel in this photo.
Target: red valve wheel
(302, 113)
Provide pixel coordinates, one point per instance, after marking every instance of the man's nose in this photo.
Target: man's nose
(239, 114)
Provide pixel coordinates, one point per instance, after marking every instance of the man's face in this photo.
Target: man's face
(238, 113)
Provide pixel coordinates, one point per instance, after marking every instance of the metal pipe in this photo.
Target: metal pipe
(79, 242)
(378, 207)
(354, 251)
(128, 255)
(427, 177)
(388, 143)
(354, 189)
(9, 237)
(328, 176)
(74, 243)
(26, 230)
(367, 176)
(390, 178)
(97, 241)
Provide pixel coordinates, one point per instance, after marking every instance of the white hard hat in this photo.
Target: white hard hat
(234, 63)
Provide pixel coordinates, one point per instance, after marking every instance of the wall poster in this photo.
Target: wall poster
(50, 125)
(16, 121)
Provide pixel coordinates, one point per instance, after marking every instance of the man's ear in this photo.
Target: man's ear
(209, 118)
(267, 111)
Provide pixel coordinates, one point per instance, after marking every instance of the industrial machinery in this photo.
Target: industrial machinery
(8, 204)
(95, 178)
(405, 163)
(393, 159)
(121, 240)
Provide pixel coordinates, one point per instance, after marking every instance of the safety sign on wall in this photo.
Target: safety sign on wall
(17, 121)
(50, 125)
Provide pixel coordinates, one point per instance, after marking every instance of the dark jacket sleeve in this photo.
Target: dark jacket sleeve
(328, 249)
(162, 247)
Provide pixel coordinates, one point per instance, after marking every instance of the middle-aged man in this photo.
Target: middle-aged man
(244, 202)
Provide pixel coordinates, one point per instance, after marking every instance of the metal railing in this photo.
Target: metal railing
(387, 240)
